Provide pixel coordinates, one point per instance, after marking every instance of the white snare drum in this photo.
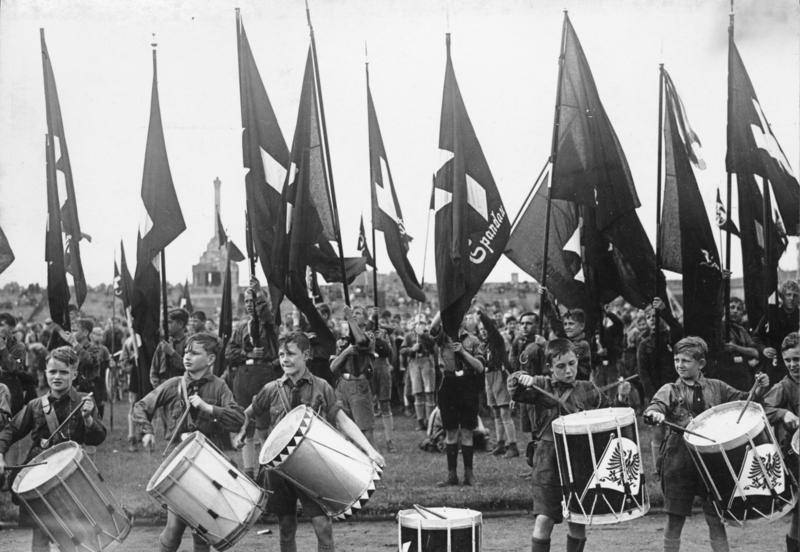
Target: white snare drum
(742, 467)
(459, 531)
(304, 449)
(199, 484)
(69, 500)
(600, 466)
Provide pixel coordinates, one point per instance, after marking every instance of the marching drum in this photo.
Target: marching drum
(742, 467)
(69, 500)
(304, 449)
(796, 443)
(600, 466)
(458, 530)
(200, 485)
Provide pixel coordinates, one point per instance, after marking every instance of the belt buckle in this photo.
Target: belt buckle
(459, 373)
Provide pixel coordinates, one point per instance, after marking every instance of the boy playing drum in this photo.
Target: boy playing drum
(678, 402)
(299, 386)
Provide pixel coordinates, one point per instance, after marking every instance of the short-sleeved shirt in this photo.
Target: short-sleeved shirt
(270, 405)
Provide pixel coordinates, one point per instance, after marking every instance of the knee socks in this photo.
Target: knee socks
(388, 426)
(540, 545)
(419, 407)
(452, 457)
(511, 432)
(499, 430)
(672, 544)
(429, 405)
(466, 453)
(575, 544)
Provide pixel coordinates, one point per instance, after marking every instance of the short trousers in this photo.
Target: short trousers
(283, 499)
(356, 398)
(680, 481)
(458, 402)
(546, 482)
(382, 380)
(496, 389)
(422, 374)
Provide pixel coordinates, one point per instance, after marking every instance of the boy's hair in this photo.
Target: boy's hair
(529, 313)
(86, 324)
(298, 338)
(737, 300)
(199, 315)
(576, 315)
(64, 354)
(789, 285)
(790, 341)
(208, 341)
(179, 315)
(557, 347)
(692, 345)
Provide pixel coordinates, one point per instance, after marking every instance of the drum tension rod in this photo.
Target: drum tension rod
(212, 513)
(233, 474)
(216, 484)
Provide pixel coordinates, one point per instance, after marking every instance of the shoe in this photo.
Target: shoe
(421, 425)
(132, 444)
(469, 478)
(511, 451)
(408, 412)
(390, 447)
(452, 480)
(499, 448)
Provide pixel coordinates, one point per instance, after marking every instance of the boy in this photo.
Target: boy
(678, 402)
(299, 386)
(573, 395)
(574, 322)
(780, 405)
(41, 416)
(212, 411)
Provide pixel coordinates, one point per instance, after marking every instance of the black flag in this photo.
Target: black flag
(6, 254)
(57, 288)
(363, 246)
(724, 222)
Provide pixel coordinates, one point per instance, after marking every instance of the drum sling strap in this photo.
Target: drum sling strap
(49, 416)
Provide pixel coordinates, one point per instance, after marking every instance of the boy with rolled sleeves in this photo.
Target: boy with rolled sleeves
(212, 411)
(298, 386)
(43, 415)
(678, 402)
(572, 396)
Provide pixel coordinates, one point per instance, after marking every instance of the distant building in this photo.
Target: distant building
(209, 272)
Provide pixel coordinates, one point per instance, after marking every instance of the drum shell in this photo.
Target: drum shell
(207, 491)
(456, 534)
(96, 521)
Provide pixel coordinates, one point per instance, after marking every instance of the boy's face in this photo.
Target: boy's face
(790, 298)
(688, 367)
(791, 358)
(528, 325)
(175, 327)
(196, 360)
(293, 360)
(737, 311)
(59, 376)
(97, 336)
(572, 327)
(564, 367)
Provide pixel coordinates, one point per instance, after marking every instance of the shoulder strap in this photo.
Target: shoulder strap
(287, 404)
(49, 415)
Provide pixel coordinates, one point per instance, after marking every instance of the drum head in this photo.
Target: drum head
(169, 465)
(796, 442)
(291, 425)
(58, 459)
(454, 518)
(589, 421)
(719, 423)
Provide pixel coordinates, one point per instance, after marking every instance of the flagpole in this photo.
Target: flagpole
(427, 236)
(728, 190)
(372, 195)
(251, 254)
(530, 193)
(326, 153)
(659, 161)
(164, 308)
(553, 155)
(112, 392)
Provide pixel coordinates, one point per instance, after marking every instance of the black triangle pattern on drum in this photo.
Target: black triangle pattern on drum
(363, 499)
(292, 444)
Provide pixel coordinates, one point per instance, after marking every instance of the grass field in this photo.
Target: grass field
(410, 476)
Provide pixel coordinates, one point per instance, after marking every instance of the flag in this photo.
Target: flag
(225, 312)
(471, 228)
(57, 288)
(6, 254)
(266, 159)
(69, 210)
(590, 167)
(324, 260)
(386, 214)
(313, 286)
(234, 253)
(687, 242)
(363, 246)
(126, 282)
(723, 220)
(752, 147)
(186, 298)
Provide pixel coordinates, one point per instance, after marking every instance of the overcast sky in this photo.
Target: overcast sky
(505, 56)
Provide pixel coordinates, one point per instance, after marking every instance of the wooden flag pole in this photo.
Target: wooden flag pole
(164, 308)
(656, 316)
(372, 196)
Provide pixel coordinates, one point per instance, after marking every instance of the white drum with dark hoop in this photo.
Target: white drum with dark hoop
(742, 465)
(457, 530)
(69, 500)
(304, 449)
(200, 485)
(600, 465)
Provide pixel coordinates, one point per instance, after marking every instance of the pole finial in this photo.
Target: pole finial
(153, 43)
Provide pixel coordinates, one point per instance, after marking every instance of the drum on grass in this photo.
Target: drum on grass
(304, 449)
(198, 483)
(458, 530)
(68, 499)
(742, 467)
(600, 465)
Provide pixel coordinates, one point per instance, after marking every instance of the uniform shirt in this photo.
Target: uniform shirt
(270, 404)
(164, 366)
(653, 378)
(526, 355)
(675, 400)
(583, 395)
(494, 347)
(780, 399)
(241, 342)
(5, 405)
(31, 419)
(449, 361)
(226, 416)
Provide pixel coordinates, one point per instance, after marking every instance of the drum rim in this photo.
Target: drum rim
(305, 409)
(703, 446)
(608, 519)
(54, 481)
(625, 416)
(411, 519)
(154, 485)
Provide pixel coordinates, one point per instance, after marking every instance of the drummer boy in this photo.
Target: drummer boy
(46, 413)
(553, 395)
(780, 406)
(678, 402)
(299, 386)
(212, 411)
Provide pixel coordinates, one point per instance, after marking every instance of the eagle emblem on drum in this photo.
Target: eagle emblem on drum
(619, 467)
(761, 471)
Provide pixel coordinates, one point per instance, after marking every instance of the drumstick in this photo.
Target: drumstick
(683, 429)
(549, 395)
(68, 418)
(614, 384)
(746, 404)
(420, 511)
(21, 466)
(419, 507)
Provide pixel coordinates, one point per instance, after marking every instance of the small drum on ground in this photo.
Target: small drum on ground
(457, 530)
(68, 499)
(600, 466)
(305, 450)
(742, 467)
(199, 484)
